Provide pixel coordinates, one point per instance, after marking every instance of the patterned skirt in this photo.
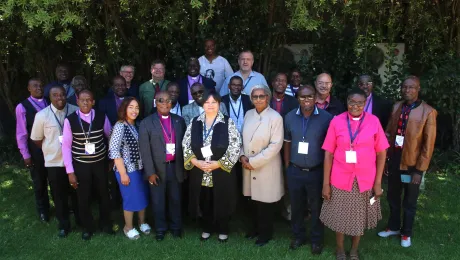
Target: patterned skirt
(350, 213)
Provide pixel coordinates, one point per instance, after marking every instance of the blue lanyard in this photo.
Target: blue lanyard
(304, 127)
(239, 109)
(353, 136)
(207, 132)
(61, 126)
(368, 103)
(247, 82)
(44, 101)
(90, 125)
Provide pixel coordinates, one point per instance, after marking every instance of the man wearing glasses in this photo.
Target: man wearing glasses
(236, 103)
(324, 100)
(375, 105)
(127, 72)
(149, 88)
(304, 132)
(195, 108)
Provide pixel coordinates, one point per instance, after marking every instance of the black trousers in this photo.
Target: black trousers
(262, 215)
(209, 222)
(39, 176)
(62, 191)
(409, 203)
(91, 175)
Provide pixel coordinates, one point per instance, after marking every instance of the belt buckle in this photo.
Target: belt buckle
(305, 169)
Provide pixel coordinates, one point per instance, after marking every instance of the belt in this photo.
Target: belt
(169, 162)
(317, 167)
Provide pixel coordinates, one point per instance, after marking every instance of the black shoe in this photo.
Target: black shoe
(262, 242)
(316, 249)
(177, 233)
(86, 236)
(160, 235)
(296, 243)
(63, 233)
(251, 235)
(44, 217)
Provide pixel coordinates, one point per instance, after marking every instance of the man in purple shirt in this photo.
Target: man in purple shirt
(111, 102)
(163, 161)
(84, 153)
(375, 104)
(193, 76)
(32, 155)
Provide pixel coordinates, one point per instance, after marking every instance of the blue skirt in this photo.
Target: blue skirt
(135, 195)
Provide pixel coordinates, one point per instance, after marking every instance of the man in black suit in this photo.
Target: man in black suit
(236, 103)
(160, 143)
(110, 103)
(185, 84)
(375, 105)
(281, 102)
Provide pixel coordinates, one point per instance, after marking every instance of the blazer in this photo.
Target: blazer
(335, 107)
(419, 138)
(382, 109)
(152, 146)
(209, 84)
(246, 103)
(108, 106)
(192, 110)
(289, 103)
(263, 136)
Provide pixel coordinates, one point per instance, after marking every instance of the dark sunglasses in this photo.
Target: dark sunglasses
(199, 92)
(164, 100)
(258, 97)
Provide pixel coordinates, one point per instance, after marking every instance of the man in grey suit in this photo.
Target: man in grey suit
(160, 142)
(195, 109)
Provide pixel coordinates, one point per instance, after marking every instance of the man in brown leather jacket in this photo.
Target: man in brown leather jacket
(411, 132)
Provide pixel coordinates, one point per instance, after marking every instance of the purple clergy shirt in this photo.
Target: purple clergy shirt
(22, 136)
(67, 137)
(368, 106)
(191, 81)
(118, 100)
(168, 134)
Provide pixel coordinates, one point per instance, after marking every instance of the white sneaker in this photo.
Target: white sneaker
(387, 233)
(405, 241)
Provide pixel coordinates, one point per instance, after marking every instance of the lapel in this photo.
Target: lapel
(157, 125)
(176, 126)
(375, 104)
(257, 121)
(226, 100)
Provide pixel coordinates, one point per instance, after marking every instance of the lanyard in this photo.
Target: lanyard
(304, 127)
(33, 101)
(247, 82)
(237, 115)
(177, 108)
(166, 132)
(61, 126)
(207, 132)
(353, 136)
(90, 125)
(368, 103)
(405, 111)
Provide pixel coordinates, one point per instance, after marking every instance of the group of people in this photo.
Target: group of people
(197, 145)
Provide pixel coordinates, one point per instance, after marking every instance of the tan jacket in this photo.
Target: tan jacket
(419, 138)
(263, 136)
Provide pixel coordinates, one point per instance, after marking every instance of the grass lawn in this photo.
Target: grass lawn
(22, 236)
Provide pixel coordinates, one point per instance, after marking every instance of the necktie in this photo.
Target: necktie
(157, 87)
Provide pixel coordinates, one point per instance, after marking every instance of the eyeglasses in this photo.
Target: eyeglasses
(128, 72)
(258, 97)
(164, 100)
(322, 83)
(358, 104)
(199, 92)
(303, 98)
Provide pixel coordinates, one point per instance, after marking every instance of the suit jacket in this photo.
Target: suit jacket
(245, 100)
(419, 138)
(263, 136)
(335, 107)
(108, 106)
(192, 110)
(153, 146)
(209, 84)
(382, 109)
(289, 103)
(72, 100)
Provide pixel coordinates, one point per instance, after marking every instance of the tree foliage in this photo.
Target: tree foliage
(96, 37)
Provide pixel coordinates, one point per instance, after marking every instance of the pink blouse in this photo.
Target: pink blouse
(370, 140)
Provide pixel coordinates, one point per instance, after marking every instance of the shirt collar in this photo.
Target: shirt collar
(86, 115)
(219, 118)
(36, 99)
(315, 112)
(153, 82)
(327, 101)
(235, 101)
(252, 74)
(369, 97)
(353, 118)
(54, 109)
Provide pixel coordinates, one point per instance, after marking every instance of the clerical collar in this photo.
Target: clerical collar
(194, 78)
(355, 118)
(36, 99)
(81, 113)
(165, 117)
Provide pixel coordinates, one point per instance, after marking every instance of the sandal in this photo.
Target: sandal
(340, 256)
(133, 234)
(145, 228)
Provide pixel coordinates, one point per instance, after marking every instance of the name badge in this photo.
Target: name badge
(170, 149)
(90, 148)
(60, 138)
(303, 148)
(206, 151)
(399, 141)
(350, 156)
(154, 102)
